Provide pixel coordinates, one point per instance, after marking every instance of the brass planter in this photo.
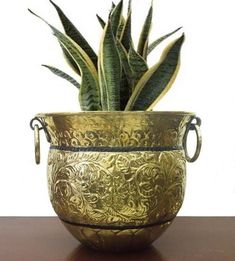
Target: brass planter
(117, 179)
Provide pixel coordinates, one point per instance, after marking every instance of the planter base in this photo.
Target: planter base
(116, 239)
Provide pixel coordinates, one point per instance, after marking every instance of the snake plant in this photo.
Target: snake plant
(118, 78)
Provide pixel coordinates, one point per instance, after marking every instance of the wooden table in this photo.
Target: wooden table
(188, 239)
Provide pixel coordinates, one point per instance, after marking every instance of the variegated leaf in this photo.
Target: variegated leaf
(157, 80)
(101, 21)
(115, 17)
(154, 44)
(137, 64)
(70, 60)
(102, 85)
(124, 60)
(143, 41)
(111, 68)
(127, 78)
(113, 6)
(89, 95)
(63, 75)
(120, 27)
(126, 38)
(125, 91)
(74, 34)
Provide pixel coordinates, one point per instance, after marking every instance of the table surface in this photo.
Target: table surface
(187, 239)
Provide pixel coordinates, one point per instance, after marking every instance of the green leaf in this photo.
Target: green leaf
(124, 60)
(127, 78)
(101, 21)
(70, 60)
(137, 64)
(120, 27)
(157, 80)
(126, 38)
(112, 7)
(154, 44)
(103, 88)
(111, 68)
(63, 75)
(143, 41)
(89, 95)
(102, 82)
(74, 34)
(125, 91)
(115, 17)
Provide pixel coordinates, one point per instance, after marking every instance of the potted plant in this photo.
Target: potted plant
(116, 171)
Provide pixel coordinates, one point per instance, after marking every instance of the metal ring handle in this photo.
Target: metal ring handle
(40, 125)
(43, 127)
(37, 143)
(193, 127)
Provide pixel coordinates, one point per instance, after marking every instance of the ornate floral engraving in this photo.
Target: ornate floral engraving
(104, 188)
(117, 130)
(119, 194)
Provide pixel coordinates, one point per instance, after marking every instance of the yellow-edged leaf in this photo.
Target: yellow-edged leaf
(62, 74)
(89, 95)
(143, 41)
(111, 68)
(154, 44)
(74, 34)
(126, 38)
(157, 80)
(116, 17)
(137, 64)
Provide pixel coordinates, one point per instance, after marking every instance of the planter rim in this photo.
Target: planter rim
(68, 114)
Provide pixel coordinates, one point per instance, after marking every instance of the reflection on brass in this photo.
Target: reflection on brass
(113, 175)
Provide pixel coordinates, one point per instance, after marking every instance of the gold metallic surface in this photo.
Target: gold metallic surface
(37, 144)
(121, 189)
(117, 129)
(196, 128)
(116, 240)
(110, 198)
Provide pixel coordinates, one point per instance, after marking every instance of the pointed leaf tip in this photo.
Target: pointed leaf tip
(62, 74)
(75, 34)
(144, 37)
(155, 83)
(115, 17)
(32, 12)
(111, 67)
(101, 21)
(155, 43)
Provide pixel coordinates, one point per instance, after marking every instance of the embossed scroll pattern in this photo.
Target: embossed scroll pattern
(103, 188)
(114, 130)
